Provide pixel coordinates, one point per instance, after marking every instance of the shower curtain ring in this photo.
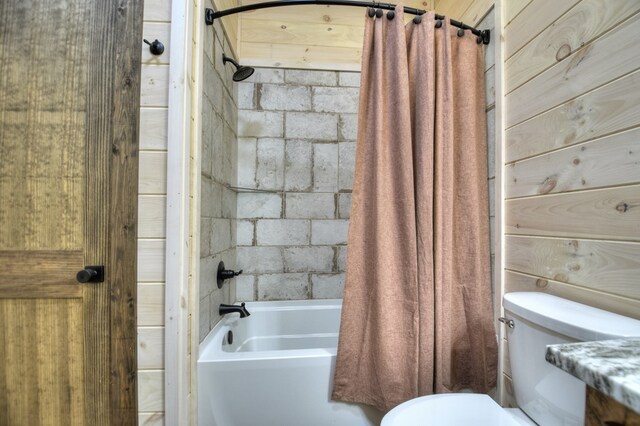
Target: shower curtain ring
(371, 12)
(460, 31)
(417, 19)
(390, 15)
(379, 13)
(438, 23)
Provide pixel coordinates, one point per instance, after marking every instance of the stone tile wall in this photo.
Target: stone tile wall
(218, 177)
(296, 148)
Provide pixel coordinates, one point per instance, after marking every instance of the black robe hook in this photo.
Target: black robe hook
(156, 47)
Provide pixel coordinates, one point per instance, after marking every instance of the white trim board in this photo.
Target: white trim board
(176, 378)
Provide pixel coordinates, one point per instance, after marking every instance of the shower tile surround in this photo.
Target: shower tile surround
(296, 148)
(218, 174)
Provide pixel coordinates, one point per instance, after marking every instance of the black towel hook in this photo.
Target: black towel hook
(156, 47)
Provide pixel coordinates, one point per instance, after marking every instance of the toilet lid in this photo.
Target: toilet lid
(449, 410)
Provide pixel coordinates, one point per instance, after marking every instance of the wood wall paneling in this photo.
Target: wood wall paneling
(595, 64)
(531, 21)
(512, 8)
(601, 112)
(609, 161)
(607, 266)
(317, 37)
(588, 20)
(572, 220)
(151, 347)
(151, 260)
(151, 216)
(150, 304)
(231, 23)
(151, 390)
(153, 128)
(611, 213)
(157, 11)
(468, 11)
(154, 80)
(152, 209)
(153, 173)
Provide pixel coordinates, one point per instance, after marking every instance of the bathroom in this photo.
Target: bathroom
(259, 174)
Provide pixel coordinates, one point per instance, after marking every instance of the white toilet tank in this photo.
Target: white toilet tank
(544, 392)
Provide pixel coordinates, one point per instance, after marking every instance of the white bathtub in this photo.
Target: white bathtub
(278, 371)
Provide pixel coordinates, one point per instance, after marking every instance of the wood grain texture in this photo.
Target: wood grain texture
(604, 410)
(151, 390)
(153, 128)
(609, 161)
(593, 65)
(153, 173)
(151, 419)
(150, 304)
(612, 213)
(512, 8)
(40, 274)
(586, 21)
(302, 33)
(531, 21)
(65, 114)
(604, 111)
(151, 255)
(124, 214)
(150, 347)
(294, 56)
(475, 13)
(155, 80)
(99, 132)
(151, 216)
(231, 23)
(517, 281)
(42, 362)
(611, 267)
(312, 37)
(157, 10)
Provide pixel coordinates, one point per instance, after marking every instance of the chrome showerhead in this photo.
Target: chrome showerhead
(242, 72)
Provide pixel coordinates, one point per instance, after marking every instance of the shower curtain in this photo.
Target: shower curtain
(417, 313)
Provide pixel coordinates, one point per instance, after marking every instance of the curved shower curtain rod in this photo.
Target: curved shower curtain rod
(211, 15)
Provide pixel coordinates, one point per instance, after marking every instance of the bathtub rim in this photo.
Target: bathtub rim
(210, 349)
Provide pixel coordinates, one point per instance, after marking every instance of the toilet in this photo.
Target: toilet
(546, 395)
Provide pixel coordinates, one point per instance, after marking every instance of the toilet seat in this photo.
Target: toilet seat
(456, 409)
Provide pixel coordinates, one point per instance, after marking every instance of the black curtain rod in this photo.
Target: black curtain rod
(210, 15)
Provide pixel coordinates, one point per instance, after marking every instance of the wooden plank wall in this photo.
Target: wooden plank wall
(572, 165)
(313, 37)
(151, 213)
(572, 170)
(231, 24)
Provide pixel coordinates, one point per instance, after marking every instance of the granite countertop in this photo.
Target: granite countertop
(610, 366)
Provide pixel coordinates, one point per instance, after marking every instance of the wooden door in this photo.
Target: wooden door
(69, 101)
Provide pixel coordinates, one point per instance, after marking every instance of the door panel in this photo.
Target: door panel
(69, 97)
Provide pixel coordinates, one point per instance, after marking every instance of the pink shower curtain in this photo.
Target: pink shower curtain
(417, 313)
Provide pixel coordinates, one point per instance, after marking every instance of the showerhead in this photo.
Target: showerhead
(242, 72)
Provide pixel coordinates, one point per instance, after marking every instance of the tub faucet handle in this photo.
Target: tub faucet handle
(225, 274)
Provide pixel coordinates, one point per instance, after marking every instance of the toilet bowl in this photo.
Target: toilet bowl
(458, 409)
(546, 395)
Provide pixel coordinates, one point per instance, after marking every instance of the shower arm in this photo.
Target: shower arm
(211, 15)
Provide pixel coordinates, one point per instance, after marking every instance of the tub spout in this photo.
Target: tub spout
(228, 309)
